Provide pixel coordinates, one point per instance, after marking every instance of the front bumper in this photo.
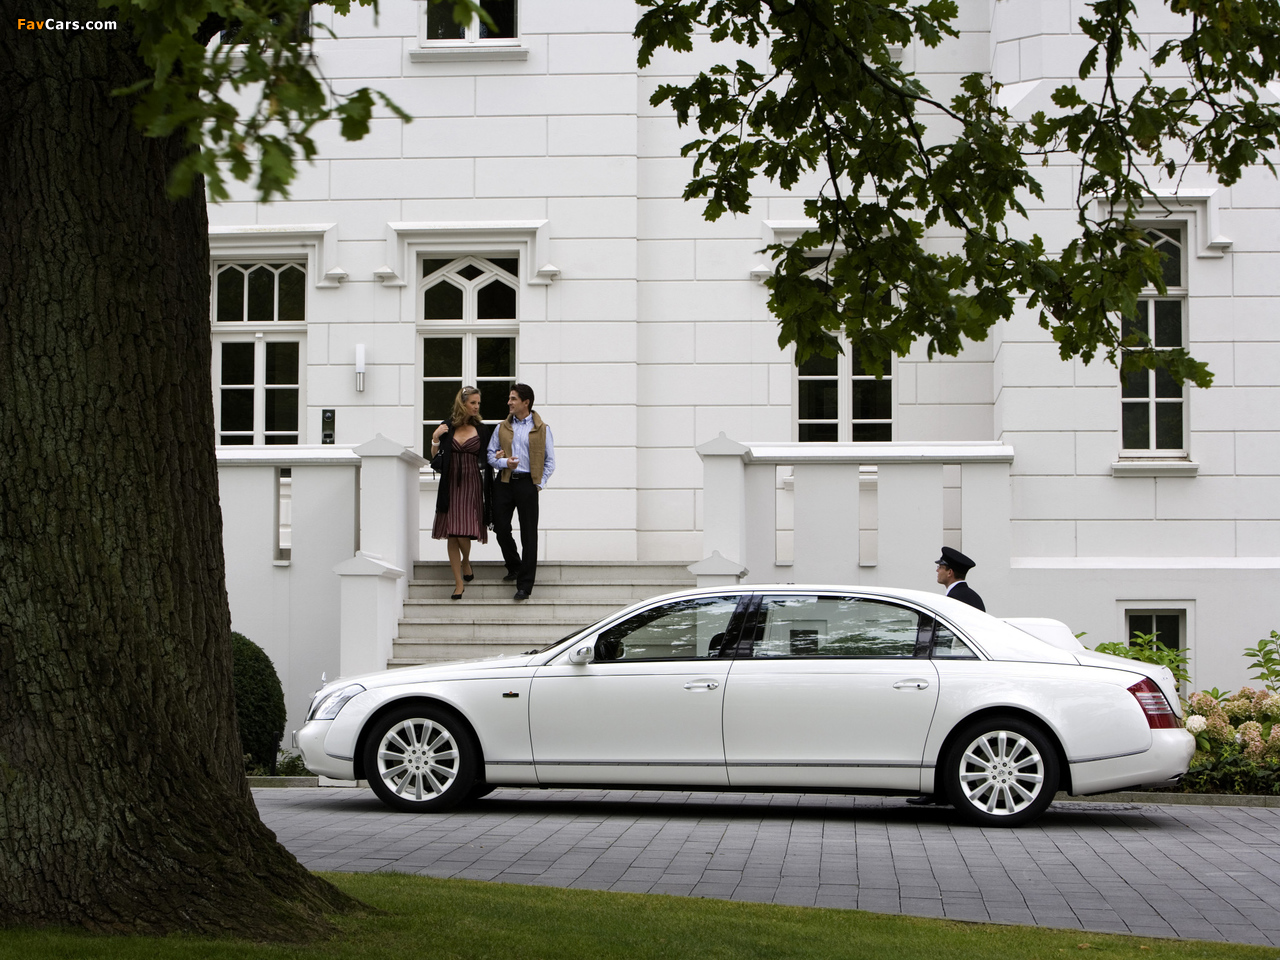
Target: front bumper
(1167, 758)
(311, 744)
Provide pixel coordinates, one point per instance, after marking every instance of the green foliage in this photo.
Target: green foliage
(248, 105)
(259, 704)
(1146, 648)
(1266, 660)
(291, 765)
(1232, 772)
(1237, 741)
(824, 95)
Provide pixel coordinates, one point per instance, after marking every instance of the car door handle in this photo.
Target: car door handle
(702, 684)
(915, 683)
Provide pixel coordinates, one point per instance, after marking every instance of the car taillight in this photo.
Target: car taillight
(1159, 714)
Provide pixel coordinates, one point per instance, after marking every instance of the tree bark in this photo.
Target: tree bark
(123, 801)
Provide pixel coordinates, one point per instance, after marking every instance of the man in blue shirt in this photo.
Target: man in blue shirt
(522, 452)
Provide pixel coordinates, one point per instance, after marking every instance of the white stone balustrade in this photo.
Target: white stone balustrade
(830, 545)
(331, 601)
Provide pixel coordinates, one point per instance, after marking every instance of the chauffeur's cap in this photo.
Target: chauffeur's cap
(957, 561)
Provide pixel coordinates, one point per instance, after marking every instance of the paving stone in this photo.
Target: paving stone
(1188, 871)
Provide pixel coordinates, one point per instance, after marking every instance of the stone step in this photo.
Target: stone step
(508, 628)
(568, 595)
(408, 654)
(599, 591)
(478, 609)
(558, 571)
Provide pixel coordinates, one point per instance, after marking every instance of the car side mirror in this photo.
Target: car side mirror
(582, 653)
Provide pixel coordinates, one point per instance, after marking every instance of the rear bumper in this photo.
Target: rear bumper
(1168, 757)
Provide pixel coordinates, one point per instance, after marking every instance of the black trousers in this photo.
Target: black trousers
(518, 496)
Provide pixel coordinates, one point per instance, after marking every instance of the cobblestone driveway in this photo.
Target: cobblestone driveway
(1207, 872)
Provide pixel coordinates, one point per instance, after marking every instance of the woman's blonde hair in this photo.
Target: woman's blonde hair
(461, 414)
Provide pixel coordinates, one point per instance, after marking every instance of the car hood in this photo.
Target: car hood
(450, 670)
(1162, 676)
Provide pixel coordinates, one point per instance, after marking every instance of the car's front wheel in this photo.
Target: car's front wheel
(1001, 771)
(420, 759)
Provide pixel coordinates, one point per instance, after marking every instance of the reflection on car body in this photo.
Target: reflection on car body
(779, 688)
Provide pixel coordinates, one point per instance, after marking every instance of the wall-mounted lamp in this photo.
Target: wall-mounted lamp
(359, 368)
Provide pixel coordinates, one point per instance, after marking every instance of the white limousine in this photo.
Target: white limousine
(767, 688)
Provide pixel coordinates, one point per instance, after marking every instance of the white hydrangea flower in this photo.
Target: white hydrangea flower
(1196, 723)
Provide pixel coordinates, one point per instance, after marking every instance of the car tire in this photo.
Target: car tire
(420, 759)
(1001, 772)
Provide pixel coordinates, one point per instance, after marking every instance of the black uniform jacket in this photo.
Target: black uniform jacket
(966, 594)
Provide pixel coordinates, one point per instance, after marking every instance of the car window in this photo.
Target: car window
(686, 629)
(816, 626)
(946, 645)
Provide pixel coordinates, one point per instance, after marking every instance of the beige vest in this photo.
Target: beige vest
(537, 447)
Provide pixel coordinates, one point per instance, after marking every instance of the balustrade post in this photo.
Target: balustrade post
(910, 506)
(826, 523)
(986, 509)
(724, 513)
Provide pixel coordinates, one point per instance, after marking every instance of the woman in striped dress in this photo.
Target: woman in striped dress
(458, 449)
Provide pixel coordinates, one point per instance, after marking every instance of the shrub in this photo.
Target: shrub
(291, 765)
(259, 704)
(1266, 660)
(1237, 741)
(1237, 734)
(1147, 649)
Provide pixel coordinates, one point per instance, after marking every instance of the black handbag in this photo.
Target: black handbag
(441, 459)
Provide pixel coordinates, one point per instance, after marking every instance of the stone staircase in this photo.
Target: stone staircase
(569, 594)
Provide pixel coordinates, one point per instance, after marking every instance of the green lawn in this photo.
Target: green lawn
(423, 919)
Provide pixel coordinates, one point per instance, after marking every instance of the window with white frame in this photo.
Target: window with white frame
(469, 311)
(1153, 404)
(440, 27)
(259, 314)
(1167, 626)
(838, 400)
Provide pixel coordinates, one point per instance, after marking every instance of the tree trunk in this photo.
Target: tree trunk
(123, 801)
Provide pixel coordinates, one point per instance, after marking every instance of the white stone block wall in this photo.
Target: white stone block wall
(655, 338)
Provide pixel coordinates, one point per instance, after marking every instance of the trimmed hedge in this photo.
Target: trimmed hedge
(259, 703)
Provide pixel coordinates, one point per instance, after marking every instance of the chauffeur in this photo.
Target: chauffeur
(953, 567)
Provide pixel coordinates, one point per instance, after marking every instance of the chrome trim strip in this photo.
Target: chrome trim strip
(1113, 756)
(842, 763)
(629, 763)
(718, 763)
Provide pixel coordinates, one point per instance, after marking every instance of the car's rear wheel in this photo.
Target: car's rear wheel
(1002, 771)
(420, 759)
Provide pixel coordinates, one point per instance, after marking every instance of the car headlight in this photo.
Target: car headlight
(327, 708)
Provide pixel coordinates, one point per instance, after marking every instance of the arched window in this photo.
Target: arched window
(468, 317)
(259, 312)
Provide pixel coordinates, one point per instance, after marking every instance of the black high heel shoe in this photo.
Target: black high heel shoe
(456, 596)
(468, 577)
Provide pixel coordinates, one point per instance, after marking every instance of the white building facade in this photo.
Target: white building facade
(528, 225)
